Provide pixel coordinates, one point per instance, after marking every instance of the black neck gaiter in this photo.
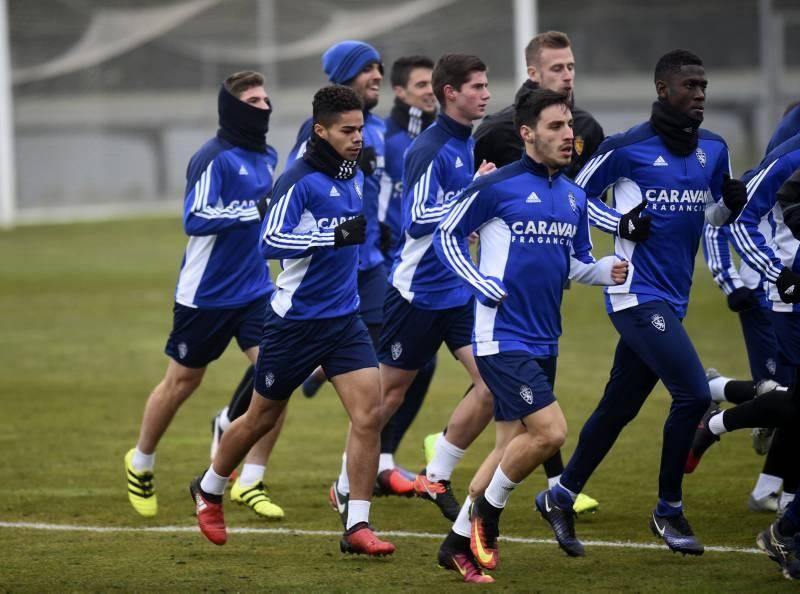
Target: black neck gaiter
(241, 124)
(677, 130)
(323, 157)
(412, 119)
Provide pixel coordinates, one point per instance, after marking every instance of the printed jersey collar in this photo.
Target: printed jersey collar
(537, 168)
(452, 127)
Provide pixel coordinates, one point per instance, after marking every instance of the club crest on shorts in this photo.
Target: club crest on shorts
(657, 320)
(269, 379)
(397, 350)
(772, 367)
(701, 156)
(183, 350)
(526, 393)
(572, 204)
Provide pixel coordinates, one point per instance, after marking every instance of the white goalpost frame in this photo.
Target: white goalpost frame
(7, 182)
(526, 24)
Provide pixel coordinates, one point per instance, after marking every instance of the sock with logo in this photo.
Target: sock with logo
(343, 483)
(385, 462)
(666, 508)
(357, 511)
(462, 526)
(142, 461)
(445, 459)
(499, 489)
(563, 497)
(252, 474)
(766, 485)
(213, 483)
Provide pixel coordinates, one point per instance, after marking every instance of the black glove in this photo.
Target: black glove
(633, 226)
(263, 206)
(351, 232)
(734, 194)
(788, 284)
(789, 200)
(368, 161)
(742, 299)
(385, 241)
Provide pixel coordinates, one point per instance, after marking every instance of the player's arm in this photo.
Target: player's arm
(584, 269)
(204, 209)
(470, 211)
(718, 258)
(422, 187)
(727, 196)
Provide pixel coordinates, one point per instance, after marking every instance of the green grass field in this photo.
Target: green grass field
(84, 312)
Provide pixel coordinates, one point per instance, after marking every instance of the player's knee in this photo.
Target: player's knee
(367, 419)
(553, 437)
(180, 386)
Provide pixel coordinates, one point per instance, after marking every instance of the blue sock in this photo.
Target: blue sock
(562, 497)
(668, 509)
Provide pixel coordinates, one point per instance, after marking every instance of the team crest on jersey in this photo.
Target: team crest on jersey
(269, 379)
(397, 350)
(526, 393)
(657, 320)
(579, 145)
(572, 204)
(772, 367)
(358, 188)
(183, 350)
(701, 156)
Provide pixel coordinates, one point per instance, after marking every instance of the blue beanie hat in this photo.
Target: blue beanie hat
(343, 61)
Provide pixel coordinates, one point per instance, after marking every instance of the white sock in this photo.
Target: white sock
(444, 460)
(357, 511)
(571, 493)
(142, 461)
(717, 388)
(385, 462)
(499, 489)
(462, 526)
(785, 500)
(552, 481)
(213, 483)
(716, 425)
(766, 485)
(224, 419)
(343, 483)
(251, 474)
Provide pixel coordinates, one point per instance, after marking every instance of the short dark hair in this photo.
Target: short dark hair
(238, 82)
(671, 62)
(530, 105)
(546, 40)
(454, 70)
(331, 101)
(402, 67)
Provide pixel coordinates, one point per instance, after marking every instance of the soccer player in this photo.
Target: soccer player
(667, 175)
(534, 231)
(551, 65)
(223, 285)
(314, 225)
(426, 303)
(413, 111)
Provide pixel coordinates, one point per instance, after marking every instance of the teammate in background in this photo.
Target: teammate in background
(427, 304)
(223, 285)
(314, 224)
(551, 65)
(534, 232)
(677, 172)
(413, 111)
(787, 127)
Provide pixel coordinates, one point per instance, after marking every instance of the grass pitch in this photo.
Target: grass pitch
(85, 310)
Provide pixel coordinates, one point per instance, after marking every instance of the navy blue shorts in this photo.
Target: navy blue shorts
(762, 346)
(787, 331)
(200, 336)
(372, 293)
(291, 349)
(412, 336)
(520, 383)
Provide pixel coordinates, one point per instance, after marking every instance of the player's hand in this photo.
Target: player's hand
(485, 167)
(788, 284)
(634, 225)
(385, 241)
(619, 272)
(742, 299)
(263, 205)
(488, 301)
(351, 232)
(734, 194)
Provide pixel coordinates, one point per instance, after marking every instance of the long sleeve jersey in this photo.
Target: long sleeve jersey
(437, 167)
(369, 252)
(534, 235)
(716, 247)
(390, 212)
(318, 280)
(637, 165)
(220, 267)
(787, 127)
(760, 235)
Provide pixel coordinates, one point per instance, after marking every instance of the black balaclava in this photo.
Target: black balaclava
(413, 119)
(676, 129)
(241, 124)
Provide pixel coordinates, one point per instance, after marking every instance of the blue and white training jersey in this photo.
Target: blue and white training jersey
(760, 235)
(369, 252)
(787, 127)
(220, 267)
(318, 281)
(438, 165)
(716, 247)
(390, 212)
(635, 165)
(534, 235)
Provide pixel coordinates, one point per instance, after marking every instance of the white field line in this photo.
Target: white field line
(298, 532)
